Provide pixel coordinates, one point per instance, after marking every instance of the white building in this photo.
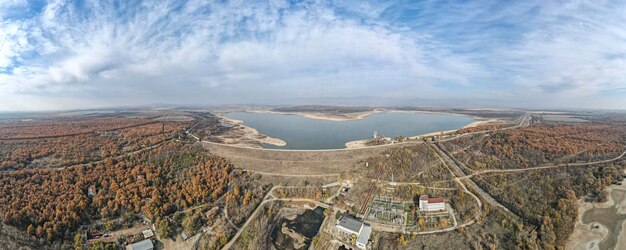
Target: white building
(349, 226)
(364, 236)
(142, 245)
(431, 204)
(147, 234)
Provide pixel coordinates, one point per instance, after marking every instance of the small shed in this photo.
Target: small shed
(147, 234)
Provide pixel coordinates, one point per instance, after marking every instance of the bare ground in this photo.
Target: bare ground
(296, 162)
(588, 236)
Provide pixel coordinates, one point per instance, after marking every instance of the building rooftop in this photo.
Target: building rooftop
(142, 245)
(364, 236)
(350, 223)
(147, 233)
(435, 200)
(431, 200)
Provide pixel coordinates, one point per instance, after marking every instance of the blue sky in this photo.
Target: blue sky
(529, 54)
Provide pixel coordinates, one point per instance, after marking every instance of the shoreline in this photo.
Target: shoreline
(252, 133)
(323, 116)
(584, 235)
(249, 133)
(477, 122)
(482, 121)
(361, 115)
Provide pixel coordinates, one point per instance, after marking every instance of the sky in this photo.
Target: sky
(527, 54)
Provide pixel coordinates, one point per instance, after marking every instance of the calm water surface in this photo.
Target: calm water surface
(306, 133)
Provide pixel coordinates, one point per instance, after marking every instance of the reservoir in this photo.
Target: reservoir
(308, 133)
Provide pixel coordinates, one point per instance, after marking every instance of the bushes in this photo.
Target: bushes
(192, 222)
(164, 228)
(407, 164)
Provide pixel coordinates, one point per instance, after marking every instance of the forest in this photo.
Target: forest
(69, 126)
(548, 199)
(537, 145)
(406, 164)
(71, 141)
(61, 177)
(221, 216)
(52, 204)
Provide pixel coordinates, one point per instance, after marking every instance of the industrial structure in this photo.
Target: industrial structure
(352, 227)
(431, 204)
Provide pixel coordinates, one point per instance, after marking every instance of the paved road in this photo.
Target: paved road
(418, 184)
(460, 179)
(291, 175)
(523, 121)
(401, 229)
(486, 171)
(459, 173)
(267, 199)
(477, 215)
(410, 142)
(462, 176)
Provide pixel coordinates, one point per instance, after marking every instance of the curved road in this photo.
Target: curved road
(266, 200)
(541, 167)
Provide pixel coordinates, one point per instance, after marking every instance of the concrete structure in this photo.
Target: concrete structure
(364, 236)
(350, 226)
(147, 234)
(431, 204)
(142, 245)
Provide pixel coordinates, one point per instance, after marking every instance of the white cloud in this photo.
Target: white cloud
(13, 41)
(579, 51)
(238, 48)
(6, 5)
(241, 51)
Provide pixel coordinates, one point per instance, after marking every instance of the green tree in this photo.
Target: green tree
(546, 232)
(164, 228)
(192, 222)
(79, 242)
(109, 225)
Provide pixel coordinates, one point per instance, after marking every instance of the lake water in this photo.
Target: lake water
(15, 115)
(307, 133)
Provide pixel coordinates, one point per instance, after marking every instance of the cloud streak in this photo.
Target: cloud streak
(104, 53)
